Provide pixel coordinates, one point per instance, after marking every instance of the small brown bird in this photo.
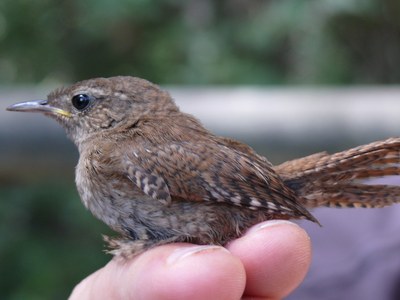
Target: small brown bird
(156, 175)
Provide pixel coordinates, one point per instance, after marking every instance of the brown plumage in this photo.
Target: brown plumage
(156, 175)
(342, 179)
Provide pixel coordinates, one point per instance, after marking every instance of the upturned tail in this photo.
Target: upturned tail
(346, 179)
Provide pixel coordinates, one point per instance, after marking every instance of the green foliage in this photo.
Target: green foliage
(48, 241)
(201, 42)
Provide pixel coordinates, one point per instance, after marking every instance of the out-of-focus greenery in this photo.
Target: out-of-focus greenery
(48, 242)
(201, 42)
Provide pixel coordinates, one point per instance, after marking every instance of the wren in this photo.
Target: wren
(155, 175)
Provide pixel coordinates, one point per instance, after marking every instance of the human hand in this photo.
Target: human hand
(268, 262)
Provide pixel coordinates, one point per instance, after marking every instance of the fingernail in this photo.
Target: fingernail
(270, 223)
(182, 253)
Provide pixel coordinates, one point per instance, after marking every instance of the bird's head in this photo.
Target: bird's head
(101, 104)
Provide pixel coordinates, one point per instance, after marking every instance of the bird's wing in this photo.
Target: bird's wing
(151, 184)
(214, 173)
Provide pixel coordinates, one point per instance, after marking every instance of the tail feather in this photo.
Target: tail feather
(344, 179)
(352, 195)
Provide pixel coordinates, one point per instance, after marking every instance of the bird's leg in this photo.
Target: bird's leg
(125, 248)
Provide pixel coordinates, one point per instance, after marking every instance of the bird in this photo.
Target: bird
(156, 175)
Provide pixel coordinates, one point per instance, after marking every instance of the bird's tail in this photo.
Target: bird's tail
(365, 176)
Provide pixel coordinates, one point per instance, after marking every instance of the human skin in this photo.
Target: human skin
(268, 262)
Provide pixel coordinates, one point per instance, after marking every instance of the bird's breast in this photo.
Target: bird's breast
(99, 193)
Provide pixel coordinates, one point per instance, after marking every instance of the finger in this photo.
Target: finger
(276, 256)
(176, 271)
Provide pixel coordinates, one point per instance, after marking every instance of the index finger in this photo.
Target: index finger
(276, 256)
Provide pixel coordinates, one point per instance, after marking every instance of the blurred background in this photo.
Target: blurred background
(288, 77)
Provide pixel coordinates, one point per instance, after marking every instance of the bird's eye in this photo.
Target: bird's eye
(81, 101)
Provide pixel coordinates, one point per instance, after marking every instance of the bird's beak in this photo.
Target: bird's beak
(39, 106)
